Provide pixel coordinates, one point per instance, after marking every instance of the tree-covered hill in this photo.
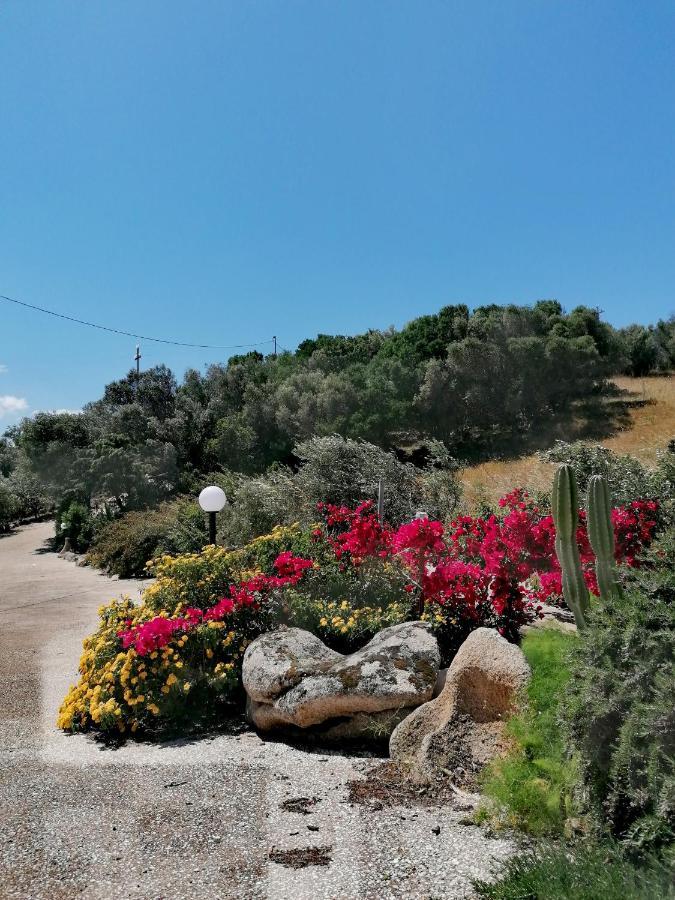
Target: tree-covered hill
(483, 383)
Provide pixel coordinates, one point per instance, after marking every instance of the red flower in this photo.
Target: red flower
(419, 535)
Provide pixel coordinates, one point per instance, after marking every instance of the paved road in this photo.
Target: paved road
(182, 819)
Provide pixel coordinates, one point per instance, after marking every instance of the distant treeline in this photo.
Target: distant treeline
(481, 382)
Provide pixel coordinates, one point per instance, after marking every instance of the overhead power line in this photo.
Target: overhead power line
(143, 337)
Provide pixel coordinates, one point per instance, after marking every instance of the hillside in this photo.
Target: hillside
(649, 405)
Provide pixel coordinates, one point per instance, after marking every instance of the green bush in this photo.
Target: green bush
(347, 605)
(31, 498)
(257, 504)
(590, 872)
(627, 478)
(8, 505)
(124, 546)
(532, 787)
(75, 523)
(334, 470)
(339, 470)
(619, 709)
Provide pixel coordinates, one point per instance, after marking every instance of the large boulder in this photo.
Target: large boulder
(294, 681)
(462, 728)
(278, 660)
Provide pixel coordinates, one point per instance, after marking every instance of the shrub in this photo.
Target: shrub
(8, 505)
(257, 504)
(619, 714)
(189, 580)
(123, 546)
(627, 478)
(201, 579)
(31, 499)
(347, 605)
(76, 523)
(590, 872)
(346, 472)
(21, 497)
(344, 580)
(532, 787)
(122, 690)
(453, 594)
(157, 667)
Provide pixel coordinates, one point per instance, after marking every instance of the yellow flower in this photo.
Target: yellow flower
(323, 621)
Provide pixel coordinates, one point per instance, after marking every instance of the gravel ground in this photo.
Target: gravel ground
(187, 818)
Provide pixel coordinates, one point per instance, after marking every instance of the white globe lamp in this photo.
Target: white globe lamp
(212, 499)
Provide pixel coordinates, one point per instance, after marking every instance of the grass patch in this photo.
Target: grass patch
(651, 413)
(586, 873)
(531, 787)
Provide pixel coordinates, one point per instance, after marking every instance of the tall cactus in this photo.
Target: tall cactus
(601, 536)
(566, 517)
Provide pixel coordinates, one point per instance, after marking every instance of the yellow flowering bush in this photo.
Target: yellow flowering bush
(342, 625)
(122, 691)
(191, 579)
(346, 605)
(201, 579)
(176, 658)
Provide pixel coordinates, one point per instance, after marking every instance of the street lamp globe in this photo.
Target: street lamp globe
(212, 499)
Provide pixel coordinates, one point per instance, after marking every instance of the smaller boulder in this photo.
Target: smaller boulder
(462, 728)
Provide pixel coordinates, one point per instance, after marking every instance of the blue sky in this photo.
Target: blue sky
(219, 172)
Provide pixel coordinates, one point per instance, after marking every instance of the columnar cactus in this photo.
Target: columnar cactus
(601, 536)
(566, 518)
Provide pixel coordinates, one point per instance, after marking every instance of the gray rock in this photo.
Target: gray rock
(462, 729)
(553, 617)
(278, 660)
(347, 695)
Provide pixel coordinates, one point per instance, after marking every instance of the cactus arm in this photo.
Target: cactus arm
(601, 536)
(566, 518)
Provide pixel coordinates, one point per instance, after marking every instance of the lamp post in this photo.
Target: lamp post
(212, 499)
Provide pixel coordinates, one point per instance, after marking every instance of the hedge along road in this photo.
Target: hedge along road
(181, 819)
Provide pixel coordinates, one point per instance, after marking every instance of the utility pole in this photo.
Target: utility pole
(138, 369)
(274, 338)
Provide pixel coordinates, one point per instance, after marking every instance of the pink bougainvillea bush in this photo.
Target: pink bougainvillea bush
(177, 657)
(495, 570)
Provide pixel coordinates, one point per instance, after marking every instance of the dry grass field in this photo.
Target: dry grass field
(651, 409)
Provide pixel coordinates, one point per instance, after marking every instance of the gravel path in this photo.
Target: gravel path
(187, 818)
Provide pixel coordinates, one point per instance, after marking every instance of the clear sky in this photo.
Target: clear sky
(219, 172)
